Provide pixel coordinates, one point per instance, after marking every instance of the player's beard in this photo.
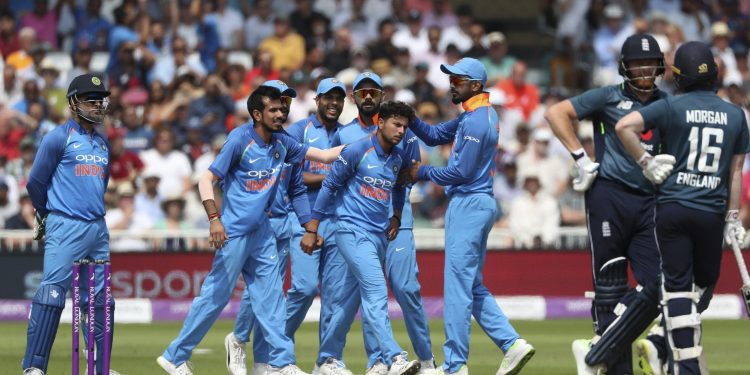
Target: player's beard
(369, 112)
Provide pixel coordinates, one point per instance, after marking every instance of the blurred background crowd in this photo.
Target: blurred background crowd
(180, 72)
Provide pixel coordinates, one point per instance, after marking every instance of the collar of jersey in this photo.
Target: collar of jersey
(374, 121)
(256, 137)
(79, 129)
(376, 145)
(476, 101)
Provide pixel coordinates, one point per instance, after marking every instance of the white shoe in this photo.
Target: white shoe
(332, 366)
(33, 371)
(259, 369)
(464, 370)
(379, 368)
(235, 355)
(428, 367)
(648, 357)
(580, 348)
(183, 369)
(516, 357)
(402, 366)
(286, 370)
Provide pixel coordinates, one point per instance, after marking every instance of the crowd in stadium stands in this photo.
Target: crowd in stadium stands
(180, 72)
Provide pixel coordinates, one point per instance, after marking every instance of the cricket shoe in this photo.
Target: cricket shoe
(648, 357)
(33, 371)
(332, 366)
(184, 369)
(286, 370)
(402, 366)
(516, 357)
(259, 369)
(464, 370)
(428, 367)
(379, 368)
(235, 355)
(580, 348)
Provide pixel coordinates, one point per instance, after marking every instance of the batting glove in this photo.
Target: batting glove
(657, 168)
(41, 226)
(733, 228)
(587, 171)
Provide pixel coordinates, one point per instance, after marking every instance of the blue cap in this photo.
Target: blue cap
(367, 75)
(281, 86)
(468, 67)
(328, 84)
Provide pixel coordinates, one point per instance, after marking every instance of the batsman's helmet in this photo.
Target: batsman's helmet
(640, 47)
(694, 66)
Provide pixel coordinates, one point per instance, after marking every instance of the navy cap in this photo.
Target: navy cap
(281, 86)
(87, 84)
(367, 76)
(328, 84)
(695, 61)
(468, 67)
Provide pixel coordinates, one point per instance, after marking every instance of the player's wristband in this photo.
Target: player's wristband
(578, 154)
(214, 216)
(311, 231)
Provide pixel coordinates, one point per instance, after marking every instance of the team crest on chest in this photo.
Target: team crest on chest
(276, 155)
(395, 168)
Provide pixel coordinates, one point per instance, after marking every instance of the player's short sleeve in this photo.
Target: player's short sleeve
(229, 155)
(742, 146)
(590, 102)
(656, 115)
(295, 151)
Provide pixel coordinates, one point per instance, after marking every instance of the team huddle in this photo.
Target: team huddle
(334, 200)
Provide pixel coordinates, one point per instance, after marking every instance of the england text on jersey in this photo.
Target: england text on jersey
(698, 181)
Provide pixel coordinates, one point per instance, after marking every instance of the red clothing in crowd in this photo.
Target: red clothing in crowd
(120, 168)
(8, 46)
(10, 144)
(524, 98)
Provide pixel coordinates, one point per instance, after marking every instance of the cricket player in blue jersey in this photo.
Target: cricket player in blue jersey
(401, 258)
(469, 219)
(325, 266)
(288, 233)
(704, 140)
(362, 183)
(248, 164)
(66, 185)
(620, 205)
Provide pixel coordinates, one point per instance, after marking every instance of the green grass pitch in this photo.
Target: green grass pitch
(726, 343)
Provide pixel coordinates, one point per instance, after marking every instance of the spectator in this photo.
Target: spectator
(91, 27)
(138, 137)
(534, 217)
(262, 71)
(177, 176)
(44, 21)
(302, 18)
(477, 50)
(25, 218)
(148, 200)
(159, 41)
(194, 146)
(413, 37)
(497, 62)
(693, 21)
(173, 207)
(231, 21)
(435, 57)
(505, 188)
(39, 122)
(572, 205)
(458, 35)
(606, 45)
(357, 21)
(720, 36)
(124, 165)
(423, 90)
(9, 42)
(126, 218)
(21, 58)
(260, 25)
(519, 94)
(132, 66)
(551, 171)
(382, 47)
(286, 46)
(340, 57)
(11, 133)
(212, 109)
(440, 15)
(20, 168)
(81, 62)
(161, 109)
(403, 71)
(11, 87)
(202, 163)
(180, 61)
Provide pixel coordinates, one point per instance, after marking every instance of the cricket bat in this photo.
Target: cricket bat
(745, 289)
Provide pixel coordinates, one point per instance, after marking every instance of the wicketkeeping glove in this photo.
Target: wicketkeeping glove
(41, 226)
(587, 171)
(733, 228)
(657, 168)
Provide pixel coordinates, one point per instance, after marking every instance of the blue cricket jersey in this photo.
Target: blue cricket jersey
(250, 170)
(367, 177)
(312, 133)
(409, 146)
(291, 194)
(70, 173)
(474, 134)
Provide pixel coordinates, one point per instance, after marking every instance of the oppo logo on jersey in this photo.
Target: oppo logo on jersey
(263, 173)
(88, 158)
(379, 182)
(261, 180)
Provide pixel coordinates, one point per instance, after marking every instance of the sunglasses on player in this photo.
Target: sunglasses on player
(375, 94)
(460, 80)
